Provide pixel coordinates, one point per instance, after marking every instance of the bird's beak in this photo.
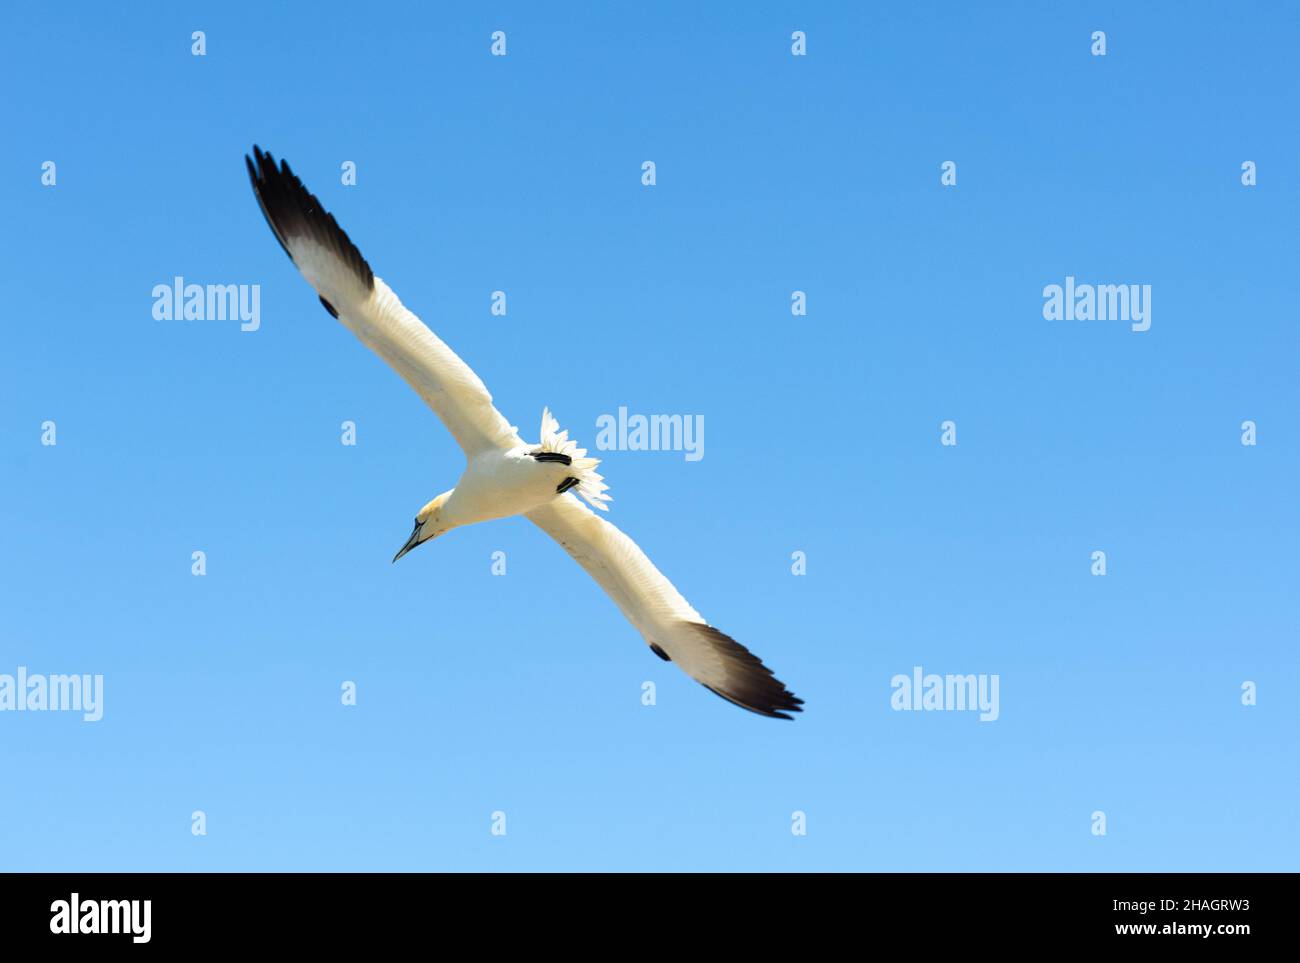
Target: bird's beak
(411, 542)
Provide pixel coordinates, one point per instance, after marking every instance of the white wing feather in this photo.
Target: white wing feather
(349, 290)
(666, 620)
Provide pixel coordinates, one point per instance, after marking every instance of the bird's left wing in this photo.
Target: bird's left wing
(674, 630)
(350, 291)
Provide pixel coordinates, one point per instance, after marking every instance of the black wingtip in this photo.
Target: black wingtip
(748, 683)
(257, 177)
(766, 713)
(293, 212)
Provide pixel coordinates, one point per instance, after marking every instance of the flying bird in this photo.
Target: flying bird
(553, 483)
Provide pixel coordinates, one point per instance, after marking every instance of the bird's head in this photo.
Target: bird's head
(429, 524)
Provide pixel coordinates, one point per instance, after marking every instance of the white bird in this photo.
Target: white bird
(504, 475)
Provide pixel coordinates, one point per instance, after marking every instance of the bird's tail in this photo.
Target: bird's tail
(591, 485)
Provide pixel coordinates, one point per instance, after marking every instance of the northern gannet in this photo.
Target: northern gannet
(504, 475)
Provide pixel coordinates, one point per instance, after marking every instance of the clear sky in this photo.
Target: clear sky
(521, 693)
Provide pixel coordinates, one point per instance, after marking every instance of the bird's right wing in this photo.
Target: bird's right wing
(674, 630)
(349, 290)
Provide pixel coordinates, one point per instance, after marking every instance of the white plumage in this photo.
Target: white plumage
(505, 476)
(591, 485)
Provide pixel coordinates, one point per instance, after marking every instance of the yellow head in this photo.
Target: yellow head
(429, 524)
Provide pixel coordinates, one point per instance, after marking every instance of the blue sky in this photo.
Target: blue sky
(522, 693)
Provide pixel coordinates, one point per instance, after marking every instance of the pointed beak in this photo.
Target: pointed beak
(411, 542)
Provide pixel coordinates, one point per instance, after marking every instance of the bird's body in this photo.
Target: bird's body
(505, 476)
(498, 484)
